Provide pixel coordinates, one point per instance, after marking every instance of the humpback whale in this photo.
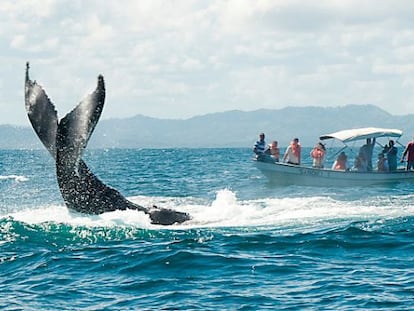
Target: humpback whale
(66, 140)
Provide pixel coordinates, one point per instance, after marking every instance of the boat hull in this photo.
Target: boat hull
(287, 174)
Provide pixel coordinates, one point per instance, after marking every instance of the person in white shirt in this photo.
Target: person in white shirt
(292, 154)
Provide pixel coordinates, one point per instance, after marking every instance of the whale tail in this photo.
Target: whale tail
(66, 141)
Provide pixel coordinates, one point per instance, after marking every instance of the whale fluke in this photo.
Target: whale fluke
(66, 141)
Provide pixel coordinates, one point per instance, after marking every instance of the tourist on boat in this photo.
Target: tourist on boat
(292, 154)
(366, 151)
(409, 152)
(391, 152)
(273, 151)
(382, 163)
(341, 162)
(318, 155)
(260, 145)
(361, 163)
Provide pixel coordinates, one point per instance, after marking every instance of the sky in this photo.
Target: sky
(178, 59)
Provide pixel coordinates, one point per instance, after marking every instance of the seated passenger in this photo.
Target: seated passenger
(361, 164)
(382, 163)
(341, 162)
(318, 155)
(273, 151)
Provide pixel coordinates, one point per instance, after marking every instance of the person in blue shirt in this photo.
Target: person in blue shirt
(391, 152)
(260, 145)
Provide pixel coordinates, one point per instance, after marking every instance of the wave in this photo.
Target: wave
(226, 210)
(16, 178)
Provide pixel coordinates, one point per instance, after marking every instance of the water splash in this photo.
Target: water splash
(226, 210)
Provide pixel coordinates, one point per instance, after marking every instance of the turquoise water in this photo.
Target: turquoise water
(250, 245)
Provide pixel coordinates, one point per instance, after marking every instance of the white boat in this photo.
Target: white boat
(288, 174)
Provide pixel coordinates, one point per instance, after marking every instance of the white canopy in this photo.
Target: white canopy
(362, 133)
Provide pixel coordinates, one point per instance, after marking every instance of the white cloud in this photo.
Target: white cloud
(17, 41)
(183, 58)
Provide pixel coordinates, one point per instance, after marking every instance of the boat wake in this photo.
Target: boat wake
(226, 210)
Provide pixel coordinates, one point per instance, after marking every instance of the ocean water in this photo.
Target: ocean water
(250, 245)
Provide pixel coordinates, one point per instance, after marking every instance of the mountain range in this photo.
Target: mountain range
(224, 129)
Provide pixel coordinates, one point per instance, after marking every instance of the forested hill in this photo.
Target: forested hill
(225, 129)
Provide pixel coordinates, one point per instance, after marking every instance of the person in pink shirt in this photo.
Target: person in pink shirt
(409, 152)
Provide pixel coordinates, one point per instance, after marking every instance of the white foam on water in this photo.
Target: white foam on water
(60, 214)
(226, 210)
(16, 178)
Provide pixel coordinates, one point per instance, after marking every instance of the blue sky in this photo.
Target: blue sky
(178, 59)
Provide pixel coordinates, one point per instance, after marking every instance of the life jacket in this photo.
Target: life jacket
(317, 153)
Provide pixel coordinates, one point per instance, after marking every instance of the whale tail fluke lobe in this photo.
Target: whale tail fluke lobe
(42, 113)
(66, 141)
(75, 129)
